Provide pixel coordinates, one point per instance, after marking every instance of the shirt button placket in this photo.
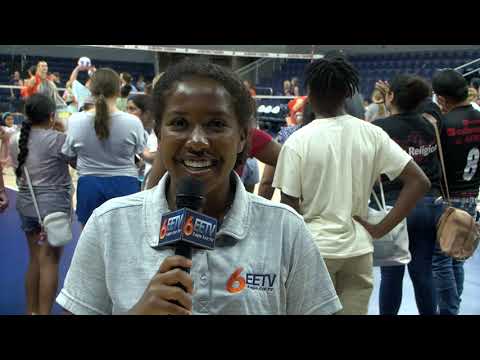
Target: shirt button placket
(203, 286)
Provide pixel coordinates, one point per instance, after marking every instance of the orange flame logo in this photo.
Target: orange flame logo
(236, 283)
(188, 227)
(163, 230)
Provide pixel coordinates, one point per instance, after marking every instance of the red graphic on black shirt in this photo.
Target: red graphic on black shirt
(465, 135)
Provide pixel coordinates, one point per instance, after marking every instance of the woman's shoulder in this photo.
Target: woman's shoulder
(277, 211)
(49, 137)
(122, 116)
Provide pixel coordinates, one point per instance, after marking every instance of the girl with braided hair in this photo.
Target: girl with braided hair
(38, 148)
(326, 171)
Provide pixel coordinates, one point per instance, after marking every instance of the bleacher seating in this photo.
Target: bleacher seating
(381, 66)
(65, 66)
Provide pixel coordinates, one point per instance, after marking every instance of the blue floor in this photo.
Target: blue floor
(470, 298)
(14, 260)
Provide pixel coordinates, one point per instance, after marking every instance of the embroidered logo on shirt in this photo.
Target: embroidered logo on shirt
(263, 282)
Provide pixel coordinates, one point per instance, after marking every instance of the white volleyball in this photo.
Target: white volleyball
(84, 61)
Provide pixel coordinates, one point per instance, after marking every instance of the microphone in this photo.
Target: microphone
(187, 228)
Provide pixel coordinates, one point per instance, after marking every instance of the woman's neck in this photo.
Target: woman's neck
(45, 126)
(463, 103)
(112, 104)
(217, 203)
(330, 114)
(394, 111)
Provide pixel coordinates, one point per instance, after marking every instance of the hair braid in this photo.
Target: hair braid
(23, 146)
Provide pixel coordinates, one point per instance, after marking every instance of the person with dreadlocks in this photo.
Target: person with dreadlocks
(326, 171)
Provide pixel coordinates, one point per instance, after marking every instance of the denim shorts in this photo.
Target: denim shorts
(29, 224)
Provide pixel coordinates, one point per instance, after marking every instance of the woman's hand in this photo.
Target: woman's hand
(383, 87)
(375, 231)
(161, 290)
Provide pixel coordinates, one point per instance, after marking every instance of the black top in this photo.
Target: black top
(461, 142)
(429, 107)
(416, 136)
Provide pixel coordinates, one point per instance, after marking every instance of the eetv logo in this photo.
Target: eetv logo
(173, 223)
(263, 282)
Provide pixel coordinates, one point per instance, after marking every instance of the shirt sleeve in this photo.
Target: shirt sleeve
(152, 142)
(391, 159)
(68, 148)
(85, 290)
(288, 172)
(310, 290)
(141, 138)
(259, 140)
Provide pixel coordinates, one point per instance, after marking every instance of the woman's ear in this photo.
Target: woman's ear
(390, 96)
(243, 140)
(156, 130)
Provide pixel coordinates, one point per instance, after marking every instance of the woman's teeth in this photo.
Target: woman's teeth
(198, 164)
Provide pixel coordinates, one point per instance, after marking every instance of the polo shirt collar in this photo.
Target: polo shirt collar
(235, 224)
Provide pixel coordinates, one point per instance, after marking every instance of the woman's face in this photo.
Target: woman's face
(199, 134)
(134, 109)
(9, 121)
(389, 100)
(42, 69)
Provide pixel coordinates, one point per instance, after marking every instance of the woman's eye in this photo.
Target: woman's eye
(217, 124)
(178, 122)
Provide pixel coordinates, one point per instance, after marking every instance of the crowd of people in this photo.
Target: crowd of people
(314, 250)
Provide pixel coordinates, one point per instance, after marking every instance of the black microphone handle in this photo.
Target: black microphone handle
(182, 249)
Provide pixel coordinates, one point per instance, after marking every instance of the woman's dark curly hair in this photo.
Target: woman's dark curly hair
(38, 109)
(241, 99)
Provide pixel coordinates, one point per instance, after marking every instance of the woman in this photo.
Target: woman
(140, 106)
(123, 99)
(41, 84)
(417, 137)
(39, 150)
(9, 129)
(3, 193)
(105, 141)
(203, 115)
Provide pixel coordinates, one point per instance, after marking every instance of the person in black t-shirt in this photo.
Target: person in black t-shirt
(460, 135)
(416, 136)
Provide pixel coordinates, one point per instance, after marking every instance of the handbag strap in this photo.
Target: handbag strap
(433, 121)
(32, 193)
(382, 195)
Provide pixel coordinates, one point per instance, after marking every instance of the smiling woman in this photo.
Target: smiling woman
(202, 113)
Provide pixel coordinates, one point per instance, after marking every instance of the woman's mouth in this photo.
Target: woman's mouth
(199, 166)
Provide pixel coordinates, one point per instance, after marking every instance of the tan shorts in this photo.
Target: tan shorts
(353, 281)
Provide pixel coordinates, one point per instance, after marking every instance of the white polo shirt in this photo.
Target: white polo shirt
(267, 245)
(331, 165)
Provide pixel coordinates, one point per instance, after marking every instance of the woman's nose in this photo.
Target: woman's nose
(198, 139)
